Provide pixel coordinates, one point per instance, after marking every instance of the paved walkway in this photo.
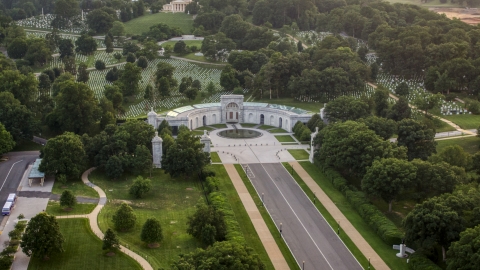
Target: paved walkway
(349, 229)
(263, 232)
(92, 217)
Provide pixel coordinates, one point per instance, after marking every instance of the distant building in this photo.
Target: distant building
(176, 6)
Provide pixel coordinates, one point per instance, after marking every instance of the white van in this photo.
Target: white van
(7, 208)
(12, 197)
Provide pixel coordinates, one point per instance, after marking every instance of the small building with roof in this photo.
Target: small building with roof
(35, 173)
(231, 109)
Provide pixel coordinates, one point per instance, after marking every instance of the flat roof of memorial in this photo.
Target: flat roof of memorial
(177, 111)
(35, 173)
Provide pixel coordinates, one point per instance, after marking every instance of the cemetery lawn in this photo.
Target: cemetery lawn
(77, 187)
(333, 223)
(469, 144)
(299, 154)
(309, 106)
(248, 231)
(383, 250)
(25, 145)
(83, 250)
(54, 209)
(142, 24)
(214, 157)
(171, 201)
(278, 130)
(248, 125)
(268, 220)
(466, 121)
(284, 138)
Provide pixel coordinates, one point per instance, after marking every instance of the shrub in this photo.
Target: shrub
(140, 187)
(474, 106)
(211, 184)
(418, 261)
(220, 203)
(99, 65)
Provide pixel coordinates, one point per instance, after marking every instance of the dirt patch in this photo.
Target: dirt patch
(154, 245)
(110, 254)
(470, 16)
(189, 188)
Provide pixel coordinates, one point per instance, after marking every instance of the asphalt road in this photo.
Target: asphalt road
(304, 229)
(12, 170)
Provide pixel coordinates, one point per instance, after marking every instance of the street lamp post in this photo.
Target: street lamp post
(303, 265)
(368, 263)
(280, 228)
(338, 229)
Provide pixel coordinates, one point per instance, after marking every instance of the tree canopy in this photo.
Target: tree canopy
(42, 237)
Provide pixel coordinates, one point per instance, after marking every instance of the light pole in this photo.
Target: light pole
(303, 265)
(368, 263)
(280, 228)
(338, 229)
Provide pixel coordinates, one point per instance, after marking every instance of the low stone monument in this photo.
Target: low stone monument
(403, 249)
(312, 144)
(157, 150)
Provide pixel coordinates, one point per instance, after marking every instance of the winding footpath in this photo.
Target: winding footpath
(93, 219)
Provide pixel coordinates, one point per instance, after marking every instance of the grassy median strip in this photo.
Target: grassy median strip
(248, 231)
(383, 250)
(299, 154)
(284, 138)
(268, 220)
(215, 158)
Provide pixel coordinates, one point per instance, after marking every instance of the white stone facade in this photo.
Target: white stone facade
(176, 6)
(232, 109)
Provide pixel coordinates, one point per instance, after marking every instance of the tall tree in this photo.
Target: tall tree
(124, 218)
(129, 78)
(6, 140)
(114, 167)
(65, 46)
(110, 241)
(165, 70)
(417, 138)
(100, 21)
(23, 87)
(464, 254)
(83, 74)
(163, 87)
(228, 78)
(152, 232)
(38, 52)
(17, 48)
(383, 127)
(380, 98)
(142, 161)
(207, 224)
(400, 110)
(346, 108)
(42, 237)
(18, 120)
(85, 44)
(139, 187)
(67, 199)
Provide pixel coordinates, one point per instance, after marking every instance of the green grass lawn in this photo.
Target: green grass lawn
(171, 201)
(219, 126)
(143, 23)
(83, 250)
(215, 158)
(189, 43)
(333, 223)
(247, 229)
(469, 144)
(248, 125)
(207, 128)
(278, 130)
(284, 138)
(299, 154)
(54, 209)
(77, 187)
(265, 127)
(268, 220)
(383, 250)
(309, 106)
(24, 145)
(466, 121)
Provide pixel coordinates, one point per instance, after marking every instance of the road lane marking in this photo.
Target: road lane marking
(281, 193)
(9, 173)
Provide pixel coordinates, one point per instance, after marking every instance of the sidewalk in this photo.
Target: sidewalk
(266, 237)
(354, 235)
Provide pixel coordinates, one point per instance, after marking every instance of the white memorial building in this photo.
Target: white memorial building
(231, 109)
(176, 6)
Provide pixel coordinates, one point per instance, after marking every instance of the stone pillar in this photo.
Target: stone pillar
(152, 118)
(157, 151)
(312, 145)
(205, 139)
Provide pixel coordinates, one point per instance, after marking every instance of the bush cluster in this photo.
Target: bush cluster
(219, 202)
(384, 227)
(301, 131)
(418, 261)
(6, 256)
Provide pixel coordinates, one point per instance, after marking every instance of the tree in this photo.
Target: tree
(228, 78)
(118, 29)
(191, 93)
(180, 47)
(163, 87)
(149, 93)
(85, 44)
(100, 21)
(165, 70)
(129, 78)
(99, 65)
(402, 89)
(18, 120)
(386, 178)
(142, 161)
(69, 65)
(217, 46)
(197, 85)
(44, 84)
(346, 108)
(151, 232)
(68, 199)
(463, 254)
(65, 11)
(417, 138)
(380, 98)
(83, 74)
(142, 62)
(112, 75)
(432, 222)
(400, 110)
(131, 58)
(140, 133)
(64, 154)
(38, 52)
(221, 255)
(114, 167)
(210, 88)
(351, 147)
(124, 218)
(42, 237)
(108, 44)
(185, 84)
(17, 48)
(76, 108)
(207, 225)
(23, 87)
(110, 241)
(454, 155)
(434, 178)
(426, 101)
(6, 140)
(140, 187)
(383, 127)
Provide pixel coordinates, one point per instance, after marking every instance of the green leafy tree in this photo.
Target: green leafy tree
(426, 101)
(402, 89)
(108, 44)
(217, 46)
(85, 44)
(124, 218)
(152, 231)
(67, 199)
(64, 154)
(346, 108)
(383, 127)
(142, 161)
(454, 155)
(131, 58)
(434, 178)
(6, 140)
(142, 62)
(228, 78)
(42, 237)
(464, 253)
(221, 255)
(18, 120)
(140, 133)
(191, 93)
(211, 88)
(165, 70)
(129, 78)
(114, 167)
(387, 178)
(417, 138)
(23, 87)
(100, 21)
(163, 87)
(118, 29)
(83, 74)
(149, 93)
(112, 75)
(17, 48)
(380, 98)
(400, 110)
(185, 84)
(38, 52)
(197, 84)
(99, 65)
(180, 47)
(140, 187)
(110, 241)
(205, 223)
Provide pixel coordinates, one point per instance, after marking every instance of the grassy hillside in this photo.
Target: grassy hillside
(142, 24)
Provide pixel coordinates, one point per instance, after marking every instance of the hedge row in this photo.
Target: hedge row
(384, 227)
(219, 201)
(301, 131)
(418, 261)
